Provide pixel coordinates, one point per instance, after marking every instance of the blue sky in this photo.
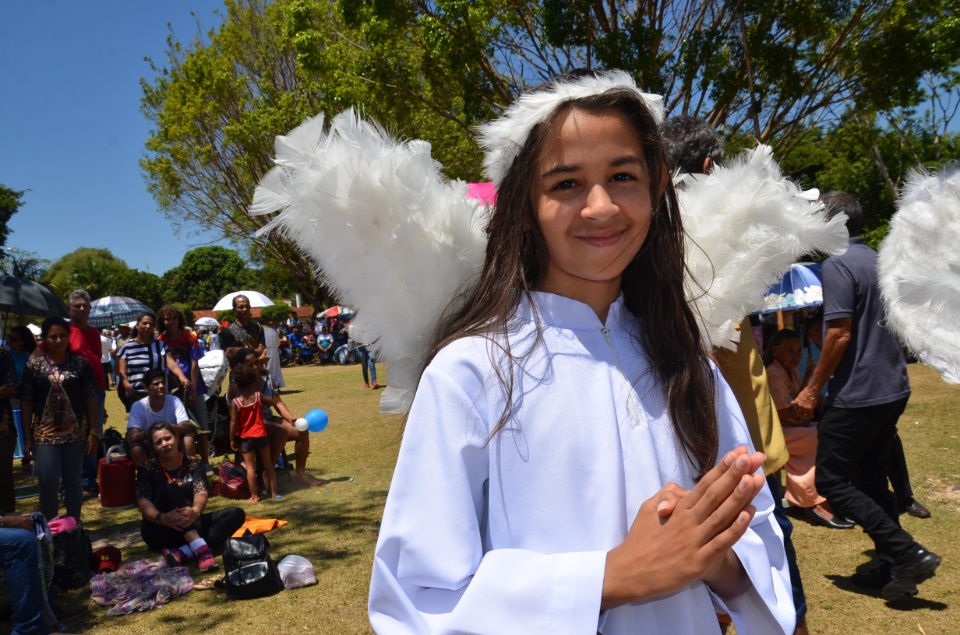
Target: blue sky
(71, 131)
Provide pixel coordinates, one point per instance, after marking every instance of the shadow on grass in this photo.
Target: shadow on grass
(845, 583)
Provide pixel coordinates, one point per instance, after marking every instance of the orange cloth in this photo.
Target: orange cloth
(259, 526)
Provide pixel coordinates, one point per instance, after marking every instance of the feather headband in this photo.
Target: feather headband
(503, 138)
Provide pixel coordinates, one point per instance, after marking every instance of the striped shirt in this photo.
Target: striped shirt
(141, 358)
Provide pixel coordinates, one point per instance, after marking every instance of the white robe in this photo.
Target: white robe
(271, 340)
(511, 536)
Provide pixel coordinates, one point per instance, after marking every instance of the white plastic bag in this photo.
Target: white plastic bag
(296, 571)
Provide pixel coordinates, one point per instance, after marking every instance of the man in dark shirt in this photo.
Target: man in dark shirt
(863, 367)
(243, 332)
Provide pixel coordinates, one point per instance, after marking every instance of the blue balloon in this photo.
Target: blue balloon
(316, 420)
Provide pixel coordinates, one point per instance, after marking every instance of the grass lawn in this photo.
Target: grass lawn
(335, 526)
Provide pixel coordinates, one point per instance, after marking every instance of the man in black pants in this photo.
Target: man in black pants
(867, 392)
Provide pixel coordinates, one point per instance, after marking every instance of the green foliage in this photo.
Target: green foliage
(94, 270)
(227, 315)
(205, 275)
(140, 285)
(187, 311)
(276, 313)
(22, 264)
(10, 203)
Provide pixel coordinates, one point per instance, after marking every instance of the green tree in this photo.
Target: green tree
(10, 203)
(205, 275)
(22, 264)
(764, 68)
(93, 270)
(276, 313)
(140, 285)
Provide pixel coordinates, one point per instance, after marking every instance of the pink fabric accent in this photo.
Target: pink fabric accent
(801, 466)
(60, 524)
(486, 192)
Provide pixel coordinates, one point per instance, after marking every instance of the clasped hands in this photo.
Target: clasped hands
(680, 536)
(181, 518)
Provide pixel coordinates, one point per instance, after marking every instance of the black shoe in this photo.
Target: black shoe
(904, 578)
(916, 510)
(67, 613)
(875, 577)
(837, 522)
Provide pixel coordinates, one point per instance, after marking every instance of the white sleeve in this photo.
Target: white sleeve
(432, 572)
(136, 417)
(179, 410)
(767, 606)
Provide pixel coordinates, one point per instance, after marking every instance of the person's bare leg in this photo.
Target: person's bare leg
(302, 451)
(269, 475)
(250, 464)
(278, 435)
(138, 455)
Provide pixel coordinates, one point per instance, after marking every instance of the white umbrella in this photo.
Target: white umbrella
(206, 321)
(34, 329)
(256, 299)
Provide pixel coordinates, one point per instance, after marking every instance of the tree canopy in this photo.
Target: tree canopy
(205, 275)
(779, 71)
(10, 202)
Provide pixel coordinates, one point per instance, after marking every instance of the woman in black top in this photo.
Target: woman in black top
(172, 494)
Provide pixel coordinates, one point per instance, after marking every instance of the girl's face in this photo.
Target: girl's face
(592, 196)
(14, 342)
(164, 442)
(248, 368)
(788, 353)
(57, 339)
(145, 327)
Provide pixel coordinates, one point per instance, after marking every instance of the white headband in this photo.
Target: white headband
(503, 138)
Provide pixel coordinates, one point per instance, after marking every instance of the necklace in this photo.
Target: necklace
(178, 472)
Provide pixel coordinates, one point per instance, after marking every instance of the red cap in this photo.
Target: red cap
(106, 559)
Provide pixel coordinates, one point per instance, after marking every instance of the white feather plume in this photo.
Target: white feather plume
(393, 238)
(746, 224)
(918, 268)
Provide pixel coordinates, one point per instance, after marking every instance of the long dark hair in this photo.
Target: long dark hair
(517, 260)
(29, 343)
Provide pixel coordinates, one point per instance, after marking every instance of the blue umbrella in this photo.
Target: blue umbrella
(115, 309)
(800, 287)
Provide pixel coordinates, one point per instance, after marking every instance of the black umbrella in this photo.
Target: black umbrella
(24, 297)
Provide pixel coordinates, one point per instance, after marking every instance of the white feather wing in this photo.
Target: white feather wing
(746, 224)
(919, 270)
(388, 234)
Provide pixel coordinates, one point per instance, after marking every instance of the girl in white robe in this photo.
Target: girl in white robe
(556, 472)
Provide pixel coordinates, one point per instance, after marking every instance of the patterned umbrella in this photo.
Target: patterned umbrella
(115, 309)
(341, 312)
(800, 287)
(24, 297)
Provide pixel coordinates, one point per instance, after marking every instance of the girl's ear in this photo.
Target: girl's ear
(664, 179)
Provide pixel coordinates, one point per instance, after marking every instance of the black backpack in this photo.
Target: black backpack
(71, 559)
(250, 571)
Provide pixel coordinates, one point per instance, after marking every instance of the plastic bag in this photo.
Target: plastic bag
(296, 571)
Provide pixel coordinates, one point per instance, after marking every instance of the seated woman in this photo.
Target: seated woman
(782, 359)
(172, 493)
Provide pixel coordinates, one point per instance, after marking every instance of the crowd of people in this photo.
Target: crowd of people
(58, 381)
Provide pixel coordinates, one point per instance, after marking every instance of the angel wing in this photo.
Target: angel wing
(746, 224)
(918, 267)
(391, 236)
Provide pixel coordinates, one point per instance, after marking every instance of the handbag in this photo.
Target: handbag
(250, 572)
(233, 481)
